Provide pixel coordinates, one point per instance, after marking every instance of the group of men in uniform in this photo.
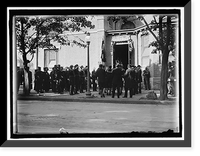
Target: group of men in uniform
(119, 78)
(74, 80)
(59, 80)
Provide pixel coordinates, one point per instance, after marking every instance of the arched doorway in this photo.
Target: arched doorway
(121, 54)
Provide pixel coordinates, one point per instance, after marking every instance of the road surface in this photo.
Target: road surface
(80, 117)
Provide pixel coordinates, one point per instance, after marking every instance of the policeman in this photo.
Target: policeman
(67, 86)
(139, 77)
(46, 79)
(94, 78)
(38, 81)
(76, 78)
(117, 80)
(52, 79)
(81, 79)
(55, 79)
(71, 80)
(134, 82)
(61, 80)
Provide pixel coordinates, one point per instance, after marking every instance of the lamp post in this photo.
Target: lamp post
(87, 39)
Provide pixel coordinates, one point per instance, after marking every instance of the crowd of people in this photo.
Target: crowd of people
(106, 80)
(129, 80)
(60, 80)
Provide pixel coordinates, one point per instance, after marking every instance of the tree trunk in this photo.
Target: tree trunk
(26, 88)
(164, 76)
(164, 70)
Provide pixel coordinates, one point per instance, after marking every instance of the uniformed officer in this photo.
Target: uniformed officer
(81, 79)
(46, 79)
(67, 86)
(94, 78)
(38, 81)
(55, 79)
(51, 79)
(62, 80)
(101, 75)
(76, 78)
(134, 80)
(139, 77)
(116, 80)
(71, 79)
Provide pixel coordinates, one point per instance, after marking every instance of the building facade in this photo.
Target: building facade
(109, 42)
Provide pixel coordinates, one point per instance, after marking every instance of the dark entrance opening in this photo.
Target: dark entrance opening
(121, 55)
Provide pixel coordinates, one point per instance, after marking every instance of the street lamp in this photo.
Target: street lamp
(87, 39)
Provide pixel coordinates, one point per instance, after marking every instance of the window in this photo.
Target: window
(50, 57)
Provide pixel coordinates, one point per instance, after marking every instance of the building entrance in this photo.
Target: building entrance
(121, 55)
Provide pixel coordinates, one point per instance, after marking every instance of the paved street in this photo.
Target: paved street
(84, 117)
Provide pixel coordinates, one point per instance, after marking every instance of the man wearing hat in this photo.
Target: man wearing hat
(46, 79)
(128, 78)
(71, 80)
(38, 80)
(81, 79)
(117, 80)
(139, 78)
(76, 79)
(100, 74)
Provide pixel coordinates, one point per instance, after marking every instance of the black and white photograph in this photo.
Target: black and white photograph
(98, 73)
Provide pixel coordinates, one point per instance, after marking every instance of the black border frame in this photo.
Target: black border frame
(126, 143)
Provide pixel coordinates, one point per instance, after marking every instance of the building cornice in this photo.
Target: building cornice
(131, 31)
(126, 31)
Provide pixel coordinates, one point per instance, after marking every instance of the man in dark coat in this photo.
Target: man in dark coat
(46, 79)
(136, 80)
(139, 78)
(129, 83)
(146, 74)
(51, 79)
(62, 80)
(56, 77)
(67, 86)
(109, 80)
(38, 80)
(81, 79)
(76, 78)
(71, 80)
(100, 74)
(116, 80)
(94, 78)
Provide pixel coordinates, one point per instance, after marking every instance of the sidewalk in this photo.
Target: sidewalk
(81, 97)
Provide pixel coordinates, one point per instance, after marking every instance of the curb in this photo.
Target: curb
(97, 100)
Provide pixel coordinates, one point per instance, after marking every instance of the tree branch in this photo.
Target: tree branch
(31, 35)
(168, 31)
(31, 58)
(150, 30)
(155, 20)
(160, 30)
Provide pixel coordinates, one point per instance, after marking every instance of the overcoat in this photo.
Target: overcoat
(117, 77)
